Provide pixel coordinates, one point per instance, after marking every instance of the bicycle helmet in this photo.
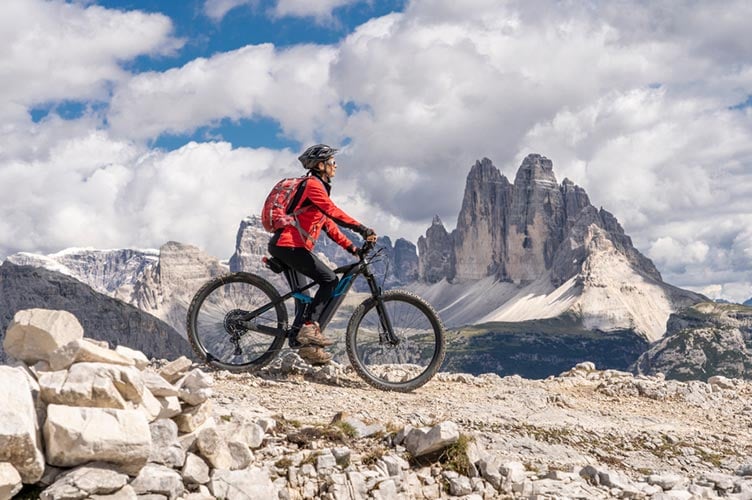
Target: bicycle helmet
(313, 155)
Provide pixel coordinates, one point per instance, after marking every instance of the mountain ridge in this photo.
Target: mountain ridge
(540, 249)
(532, 249)
(103, 317)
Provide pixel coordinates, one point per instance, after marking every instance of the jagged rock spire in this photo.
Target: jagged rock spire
(513, 231)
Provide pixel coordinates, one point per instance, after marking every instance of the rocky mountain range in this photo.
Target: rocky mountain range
(748, 302)
(530, 261)
(102, 317)
(159, 282)
(162, 282)
(538, 249)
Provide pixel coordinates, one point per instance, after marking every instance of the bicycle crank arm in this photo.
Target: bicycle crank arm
(266, 330)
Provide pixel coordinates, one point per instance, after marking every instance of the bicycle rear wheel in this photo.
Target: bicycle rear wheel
(217, 336)
(417, 356)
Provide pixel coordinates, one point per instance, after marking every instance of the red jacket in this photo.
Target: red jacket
(319, 212)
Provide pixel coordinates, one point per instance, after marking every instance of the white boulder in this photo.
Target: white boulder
(86, 481)
(76, 436)
(421, 442)
(138, 357)
(10, 481)
(193, 417)
(196, 387)
(166, 448)
(97, 385)
(84, 350)
(158, 480)
(174, 370)
(19, 430)
(247, 484)
(195, 470)
(170, 406)
(158, 385)
(81, 388)
(35, 333)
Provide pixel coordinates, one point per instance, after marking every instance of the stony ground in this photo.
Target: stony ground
(637, 425)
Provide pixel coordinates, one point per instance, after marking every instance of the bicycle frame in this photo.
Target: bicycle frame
(349, 273)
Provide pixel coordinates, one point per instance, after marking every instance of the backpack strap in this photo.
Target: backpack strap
(294, 213)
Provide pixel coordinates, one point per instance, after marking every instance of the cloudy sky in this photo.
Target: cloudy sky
(134, 122)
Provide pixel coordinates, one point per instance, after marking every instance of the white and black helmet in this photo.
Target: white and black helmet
(313, 155)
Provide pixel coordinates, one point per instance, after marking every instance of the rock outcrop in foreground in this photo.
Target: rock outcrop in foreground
(85, 421)
(702, 341)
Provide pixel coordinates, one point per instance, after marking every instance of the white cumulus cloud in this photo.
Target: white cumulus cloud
(54, 50)
(217, 9)
(291, 86)
(320, 10)
(636, 101)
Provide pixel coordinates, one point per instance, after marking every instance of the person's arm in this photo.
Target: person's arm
(317, 195)
(331, 229)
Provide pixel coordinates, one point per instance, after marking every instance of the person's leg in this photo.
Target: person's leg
(309, 335)
(306, 263)
(297, 280)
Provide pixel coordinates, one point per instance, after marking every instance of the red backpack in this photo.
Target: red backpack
(274, 215)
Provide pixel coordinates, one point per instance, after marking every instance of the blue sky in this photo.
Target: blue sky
(131, 123)
(245, 24)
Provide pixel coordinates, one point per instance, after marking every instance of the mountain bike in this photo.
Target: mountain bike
(394, 340)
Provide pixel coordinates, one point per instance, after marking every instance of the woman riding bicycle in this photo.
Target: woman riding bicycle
(293, 245)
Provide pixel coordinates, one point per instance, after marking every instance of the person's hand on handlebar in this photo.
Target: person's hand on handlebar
(367, 233)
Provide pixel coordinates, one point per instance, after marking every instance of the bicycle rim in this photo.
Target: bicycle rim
(211, 335)
(411, 363)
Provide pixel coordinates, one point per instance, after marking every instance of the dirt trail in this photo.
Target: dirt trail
(636, 424)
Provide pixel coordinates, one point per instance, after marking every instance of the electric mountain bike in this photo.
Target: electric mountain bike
(394, 340)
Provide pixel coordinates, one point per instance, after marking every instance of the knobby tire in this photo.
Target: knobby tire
(211, 341)
(362, 344)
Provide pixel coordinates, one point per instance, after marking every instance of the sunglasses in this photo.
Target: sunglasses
(331, 161)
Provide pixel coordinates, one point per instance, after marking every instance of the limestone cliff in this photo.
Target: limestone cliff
(112, 272)
(436, 253)
(703, 341)
(159, 282)
(479, 242)
(102, 317)
(536, 249)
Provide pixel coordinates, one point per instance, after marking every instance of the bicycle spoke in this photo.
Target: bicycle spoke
(215, 327)
(418, 353)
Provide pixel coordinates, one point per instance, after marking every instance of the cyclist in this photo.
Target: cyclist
(293, 245)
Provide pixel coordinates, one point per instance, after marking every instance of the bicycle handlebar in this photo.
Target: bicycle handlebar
(365, 249)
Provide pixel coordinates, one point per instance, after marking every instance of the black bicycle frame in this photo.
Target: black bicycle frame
(349, 273)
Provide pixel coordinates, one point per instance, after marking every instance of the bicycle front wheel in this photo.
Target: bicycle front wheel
(410, 359)
(216, 334)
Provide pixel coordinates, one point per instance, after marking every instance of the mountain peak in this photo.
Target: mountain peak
(535, 168)
(437, 221)
(484, 170)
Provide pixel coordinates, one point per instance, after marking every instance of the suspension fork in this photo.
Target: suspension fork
(386, 322)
